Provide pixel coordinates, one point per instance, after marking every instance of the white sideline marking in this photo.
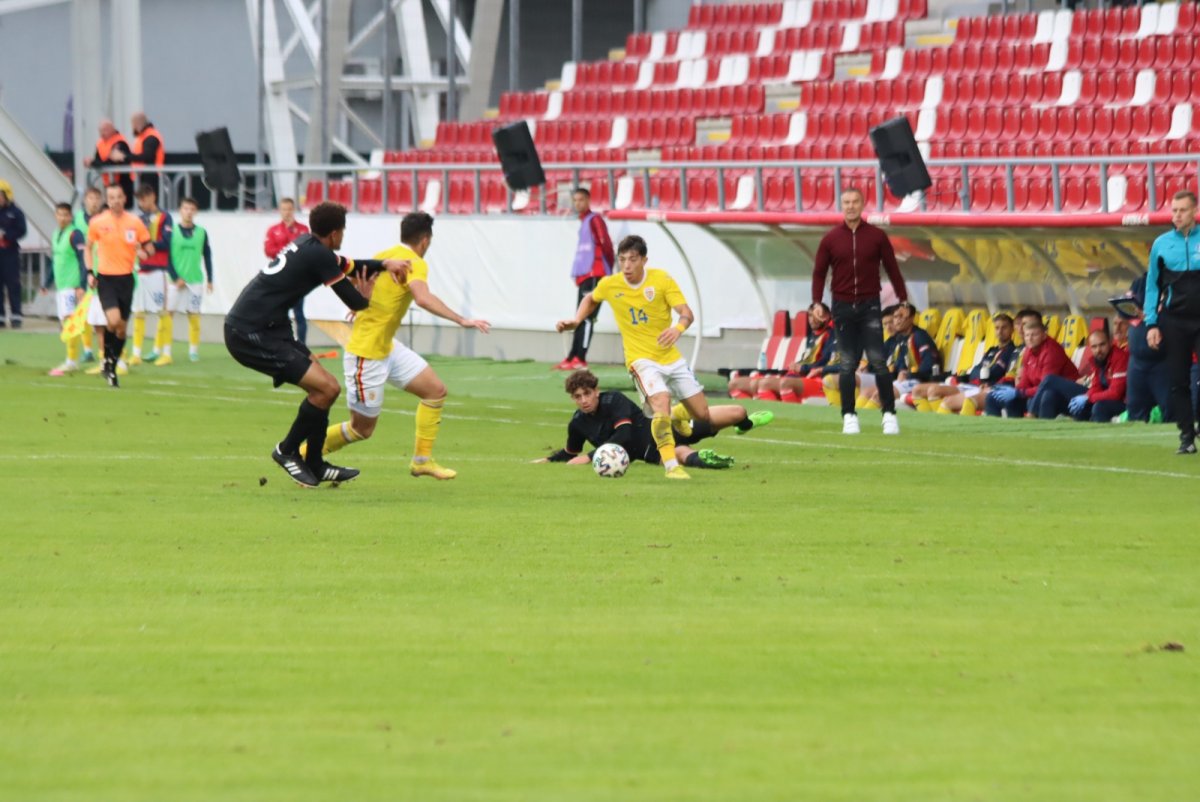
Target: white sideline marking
(1023, 463)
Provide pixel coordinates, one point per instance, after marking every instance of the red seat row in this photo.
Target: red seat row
(900, 93)
(743, 15)
(995, 123)
(1158, 52)
(759, 152)
(1118, 23)
(923, 62)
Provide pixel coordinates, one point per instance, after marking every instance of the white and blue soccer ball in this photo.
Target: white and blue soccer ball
(610, 461)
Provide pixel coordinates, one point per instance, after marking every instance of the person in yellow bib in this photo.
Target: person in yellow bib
(374, 358)
(642, 300)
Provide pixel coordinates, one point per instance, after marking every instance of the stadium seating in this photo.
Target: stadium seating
(1110, 84)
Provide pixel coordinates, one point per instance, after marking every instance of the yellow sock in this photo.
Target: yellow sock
(340, 435)
(922, 404)
(660, 430)
(429, 417)
(165, 334)
(942, 409)
(194, 330)
(139, 333)
(834, 397)
(680, 413)
(969, 407)
(89, 341)
(74, 346)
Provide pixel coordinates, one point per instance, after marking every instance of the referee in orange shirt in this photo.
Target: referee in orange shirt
(120, 238)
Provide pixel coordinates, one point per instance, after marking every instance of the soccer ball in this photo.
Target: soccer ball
(610, 461)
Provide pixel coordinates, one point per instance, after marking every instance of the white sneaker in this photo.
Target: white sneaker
(850, 423)
(890, 424)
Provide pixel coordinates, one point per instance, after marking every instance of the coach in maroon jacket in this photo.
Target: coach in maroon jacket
(855, 250)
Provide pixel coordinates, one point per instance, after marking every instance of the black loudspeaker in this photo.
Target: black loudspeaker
(518, 156)
(903, 168)
(220, 163)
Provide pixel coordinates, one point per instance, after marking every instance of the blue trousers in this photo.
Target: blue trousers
(1148, 386)
(1100, 412)
(1052, 397)
(1013, 409)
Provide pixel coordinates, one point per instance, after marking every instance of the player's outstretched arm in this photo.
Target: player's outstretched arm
(436, 306)
(586, 307)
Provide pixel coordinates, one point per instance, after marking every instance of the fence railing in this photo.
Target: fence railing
(1079, 184)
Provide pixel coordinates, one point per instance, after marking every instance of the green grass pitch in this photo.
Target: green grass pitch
(972, 611)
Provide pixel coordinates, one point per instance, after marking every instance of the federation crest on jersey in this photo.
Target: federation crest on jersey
(649, 293)
(129, 235)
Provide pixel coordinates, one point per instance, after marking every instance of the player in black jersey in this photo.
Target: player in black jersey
(610, 417)
(259, 336)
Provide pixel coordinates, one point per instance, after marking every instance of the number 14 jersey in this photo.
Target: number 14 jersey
(642, 313)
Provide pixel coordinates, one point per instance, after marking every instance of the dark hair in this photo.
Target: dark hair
(581, 380)
(821, 304)
(326, 218)
(189, 199)
(906, 305)
(1185, 193)
(415, 226)
(286, 200)
(66, 207)
(1024, 313)
(146, 190)
(888, 311)
(1002, 317)
(93, 191)
(582, 191)
(114, 185)
(633, 243)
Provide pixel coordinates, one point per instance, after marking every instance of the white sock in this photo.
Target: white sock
(671, 464)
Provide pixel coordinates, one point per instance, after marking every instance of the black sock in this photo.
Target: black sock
(702, 429)
(693, 460)
(316, 442)
(110, 348)
(308, 417)
(118, 348)
(745, 424)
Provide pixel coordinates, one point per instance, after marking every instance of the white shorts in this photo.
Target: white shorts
(95, 313)
(66, 304)
(151, 292)
(969, 390)
(653, 378)
(906, 386)
(187, 299)
(366, 378)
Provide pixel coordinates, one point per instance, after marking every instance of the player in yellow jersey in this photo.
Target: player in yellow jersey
(374, 359)
(642, 300)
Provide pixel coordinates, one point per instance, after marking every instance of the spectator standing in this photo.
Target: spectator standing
(853, 252)
(279, 236)
(112, 150)
(12, 228)
(1172, 308)
(593, 261)
(147, 151)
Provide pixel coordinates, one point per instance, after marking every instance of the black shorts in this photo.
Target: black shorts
(274, 351)
(115, 292)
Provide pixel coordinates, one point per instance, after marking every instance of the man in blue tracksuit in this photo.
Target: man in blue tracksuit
(1173, 308)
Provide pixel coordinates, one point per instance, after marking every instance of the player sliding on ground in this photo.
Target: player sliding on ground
(374, 359)
(642, 300)
(610, 417)
(259, 335)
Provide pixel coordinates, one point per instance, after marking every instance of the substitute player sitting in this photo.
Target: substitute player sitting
(642, 301)
(610, 417)
(375, 359)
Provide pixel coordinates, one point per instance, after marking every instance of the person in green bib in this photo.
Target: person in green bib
(69, 275)
(191, 256)
(93, 202)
